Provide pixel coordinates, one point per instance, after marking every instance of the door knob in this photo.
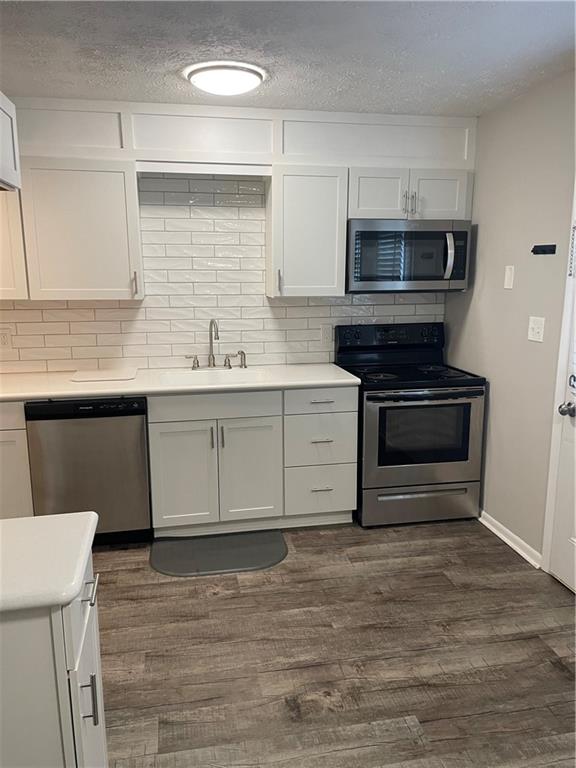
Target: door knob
(567, 409)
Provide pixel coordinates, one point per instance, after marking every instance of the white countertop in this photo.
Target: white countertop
(35, 386)
(43, 559)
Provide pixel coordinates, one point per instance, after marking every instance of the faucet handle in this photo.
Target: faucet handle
(242, 355)
(194, 358)
(227, 363)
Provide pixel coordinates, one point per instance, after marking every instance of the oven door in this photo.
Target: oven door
(422, 437)
(407, 255)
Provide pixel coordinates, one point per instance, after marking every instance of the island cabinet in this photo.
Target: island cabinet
(247, 460)
(51, 694)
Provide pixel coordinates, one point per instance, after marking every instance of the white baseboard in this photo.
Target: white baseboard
(517, 544)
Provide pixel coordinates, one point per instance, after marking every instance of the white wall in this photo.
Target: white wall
(200, 261)
(523, 195)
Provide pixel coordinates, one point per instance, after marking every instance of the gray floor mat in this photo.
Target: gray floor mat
(225, 553)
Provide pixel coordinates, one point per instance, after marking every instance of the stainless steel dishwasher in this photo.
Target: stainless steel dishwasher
(91, 454)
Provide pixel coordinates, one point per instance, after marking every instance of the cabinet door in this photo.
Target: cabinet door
(308, 212)
(378, 193)
(250, 468)
(439, 194)
(81, 229)
(184, 473)
(16, 493)
(87, 702)
(9, 156)
(13, 282)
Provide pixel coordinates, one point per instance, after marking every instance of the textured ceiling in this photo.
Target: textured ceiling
(451, 58)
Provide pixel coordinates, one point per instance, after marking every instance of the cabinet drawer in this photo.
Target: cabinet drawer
(12, 416)
(320, 438)
(87, 702)
(327, 400)
(224, 405)
(329, 488)
(76, 617)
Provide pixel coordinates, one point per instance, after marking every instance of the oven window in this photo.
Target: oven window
(426, 434)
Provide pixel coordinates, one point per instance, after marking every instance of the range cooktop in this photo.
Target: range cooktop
(407, 355)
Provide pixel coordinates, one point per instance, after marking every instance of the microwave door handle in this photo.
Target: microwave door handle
(450, 259)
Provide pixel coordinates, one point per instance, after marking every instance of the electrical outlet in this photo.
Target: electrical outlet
(536, 328)
(326, 334)
(509, 277)
(5, 338)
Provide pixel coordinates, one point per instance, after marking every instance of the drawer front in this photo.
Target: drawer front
(87, 702)
(76, 617)
(320, 438)
(314, 490)
(326, 400)
(409, 504)
(12, 416)
(223, 405)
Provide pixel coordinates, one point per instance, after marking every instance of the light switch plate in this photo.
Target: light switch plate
(536, 328)
(509, 277)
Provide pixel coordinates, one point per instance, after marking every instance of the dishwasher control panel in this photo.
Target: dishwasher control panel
(85, 409)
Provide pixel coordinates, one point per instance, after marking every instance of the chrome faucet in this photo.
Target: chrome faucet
(213, 335)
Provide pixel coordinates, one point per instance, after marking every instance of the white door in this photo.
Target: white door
(251, 468)
(184, 473)
(15, 486)
(13, 282)
(560, 533)
(81, 229)
(439, 194)
(87, 702)
(378, 193)
(309, 206)
(9, 155)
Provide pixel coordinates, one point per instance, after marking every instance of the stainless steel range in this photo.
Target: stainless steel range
(421, 424)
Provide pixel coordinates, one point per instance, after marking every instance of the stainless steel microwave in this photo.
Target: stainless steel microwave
(406, 255)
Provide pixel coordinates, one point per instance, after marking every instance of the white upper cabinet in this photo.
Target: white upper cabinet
(81, 229)
(439, 194)
(13, 282)
(400, 193)
(9, 157)
(378, 193)
(251, 468)
(307, 213)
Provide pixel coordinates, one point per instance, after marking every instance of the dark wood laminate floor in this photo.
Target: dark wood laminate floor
(430, 646)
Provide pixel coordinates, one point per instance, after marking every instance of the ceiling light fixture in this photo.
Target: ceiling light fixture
(225, 78)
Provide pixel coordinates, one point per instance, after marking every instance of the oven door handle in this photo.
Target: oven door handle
(424, 397)
(450, 260)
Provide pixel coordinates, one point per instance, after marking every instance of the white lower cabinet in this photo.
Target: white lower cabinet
(251, 468)
(208, 471)
(86, 699)
(320, 489)
(51, 693)
(184, 473)
(261, 456)
(16, 490)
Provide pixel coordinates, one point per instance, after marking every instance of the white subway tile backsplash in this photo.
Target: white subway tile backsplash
(202, 259)
(42, 328)
(166, 238)
(189, 225)
(45, 353)
(96, 352)
(78, 340)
